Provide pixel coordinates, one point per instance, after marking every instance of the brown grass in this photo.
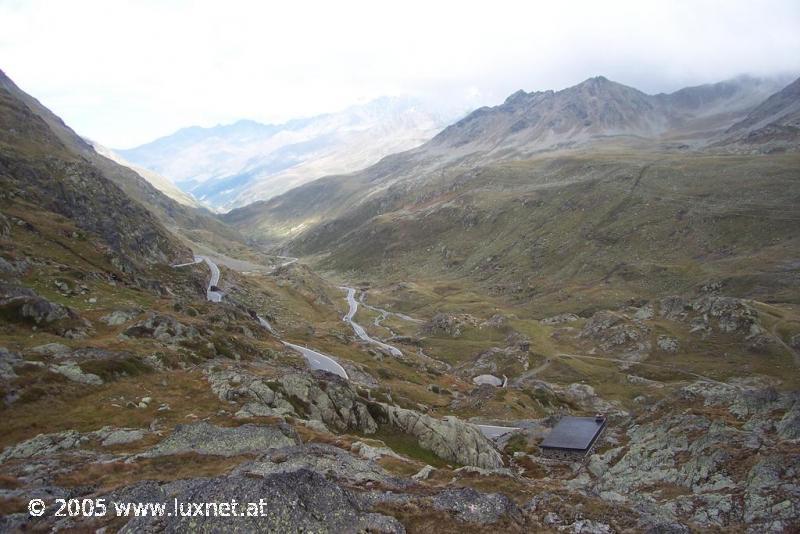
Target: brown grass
(109, 476)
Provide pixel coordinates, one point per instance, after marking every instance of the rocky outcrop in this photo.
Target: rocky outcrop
(560, 319)
(317, 396)
(8, 360)
(161, 327)
(471, 506)
(23, 305)
(119, 317)
(708, 313)
(614, 332)
(718, 469)
(44, 445)
(261, 399)
(330, 400)
(450, 438)
(51, 349)
(71, 371)
(205, 438)
(667, 344)
(449, 324)
(333, 462)
(295, 501)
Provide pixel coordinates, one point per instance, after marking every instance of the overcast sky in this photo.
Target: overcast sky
(124, 73)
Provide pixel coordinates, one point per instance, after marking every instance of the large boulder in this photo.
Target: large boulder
(23, 305)
(331, 400)
(161, 327)
(71, 371)
(614, 332)
(450, 438)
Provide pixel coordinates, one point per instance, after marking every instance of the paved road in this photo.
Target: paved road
(195, 262)
(358, 329)
(491, 431)
(213, 296)
(317, 360)
(263, 322)
(290, 261)
(386, 313)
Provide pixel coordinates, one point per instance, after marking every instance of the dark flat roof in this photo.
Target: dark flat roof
(575, 433)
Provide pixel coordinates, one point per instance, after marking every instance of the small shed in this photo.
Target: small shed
(573, 435)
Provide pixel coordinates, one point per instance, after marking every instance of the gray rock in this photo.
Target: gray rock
(337, 404)
(667, 344)
(424, 473)
(119, 436)
(296, 501)
(8, 360)
(328, 460)
(644, 313)
(369, 452)
(471, 506)
(44, 444)
(161, 327)
(73, 372)
(612, 331)
(51, 349)
(789, 425)
(261, 400)
(560, 319)
(118, 317)
(205, 438)
(490, 380)
(450, 438)
(6, 268)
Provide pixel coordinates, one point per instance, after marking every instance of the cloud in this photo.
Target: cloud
(126, 72)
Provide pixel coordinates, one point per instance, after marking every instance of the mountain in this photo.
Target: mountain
(40, 170)
(156, 180)
(232, 165)
(196, 226)
(595, 109)
(774, 125)
(556, 190)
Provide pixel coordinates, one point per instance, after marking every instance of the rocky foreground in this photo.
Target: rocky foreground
(722, 456)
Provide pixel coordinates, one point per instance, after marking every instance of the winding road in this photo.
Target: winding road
(213, 295)
(358, 329)
(317, 360)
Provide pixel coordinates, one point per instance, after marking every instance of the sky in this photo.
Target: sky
(126, 72)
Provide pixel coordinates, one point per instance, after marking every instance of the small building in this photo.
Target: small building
(573, 436)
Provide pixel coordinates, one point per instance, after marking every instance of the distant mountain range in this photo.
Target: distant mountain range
(556, 188)
(599, 109)
(233, 165)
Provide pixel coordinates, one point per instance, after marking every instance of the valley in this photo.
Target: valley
(386, 350)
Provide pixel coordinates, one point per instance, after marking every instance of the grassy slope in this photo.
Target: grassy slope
(585, 230)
